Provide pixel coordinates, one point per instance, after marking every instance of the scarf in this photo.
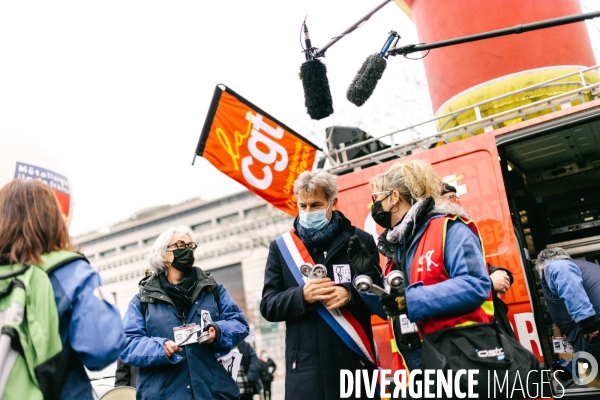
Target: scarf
(412, 220)
(180, 294)
(322, 238)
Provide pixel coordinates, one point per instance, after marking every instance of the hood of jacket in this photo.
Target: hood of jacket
(151, 289)
(451, 209)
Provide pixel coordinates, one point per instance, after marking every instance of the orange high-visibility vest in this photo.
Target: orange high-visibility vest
(428, 267)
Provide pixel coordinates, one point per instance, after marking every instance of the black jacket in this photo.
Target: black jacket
(251, 365)
(265, 374)
(314, 353)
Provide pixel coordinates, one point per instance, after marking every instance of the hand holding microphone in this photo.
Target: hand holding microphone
(394, 302)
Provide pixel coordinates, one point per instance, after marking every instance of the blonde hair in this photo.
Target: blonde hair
(413, 179)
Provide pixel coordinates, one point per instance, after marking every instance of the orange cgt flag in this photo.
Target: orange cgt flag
(255, 149)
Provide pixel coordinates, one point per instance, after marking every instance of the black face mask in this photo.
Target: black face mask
(381, 217)
(183, 260)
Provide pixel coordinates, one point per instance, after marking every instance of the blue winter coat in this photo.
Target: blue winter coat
(195, 372)
(90, 327)
(580, 296)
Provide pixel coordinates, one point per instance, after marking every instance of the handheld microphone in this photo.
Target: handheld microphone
(364, 284)
(394, 280)
(317, 96)
(370, 73)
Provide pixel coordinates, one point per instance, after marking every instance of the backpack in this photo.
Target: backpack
(32, 363)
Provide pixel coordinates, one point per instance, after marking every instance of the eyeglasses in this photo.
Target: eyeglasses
(375, 195)
(452, 197)
(182, 245)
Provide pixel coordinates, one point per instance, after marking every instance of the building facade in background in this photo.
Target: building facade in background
(233, 235)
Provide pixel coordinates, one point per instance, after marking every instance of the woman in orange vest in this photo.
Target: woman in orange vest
(439, 251)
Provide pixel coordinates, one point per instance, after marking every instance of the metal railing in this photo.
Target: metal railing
(399, 147)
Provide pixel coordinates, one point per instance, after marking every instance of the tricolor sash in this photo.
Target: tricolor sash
(344, 324)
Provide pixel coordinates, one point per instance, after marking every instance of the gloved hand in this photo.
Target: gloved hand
(215, 331)
(360, 259)
(589, 325)
(394, 303)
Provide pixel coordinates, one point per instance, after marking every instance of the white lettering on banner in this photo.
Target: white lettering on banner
(259, 124)
(271, 157)
(526, 336)
(263, 183)
(54, 180)
(274, 148)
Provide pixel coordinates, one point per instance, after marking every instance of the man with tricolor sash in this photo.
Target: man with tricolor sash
(328, 324)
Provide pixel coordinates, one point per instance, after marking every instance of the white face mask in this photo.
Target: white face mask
(265, 356)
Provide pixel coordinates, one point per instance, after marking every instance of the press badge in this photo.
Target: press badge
(185, 335)
(406, 326)
(341, 273)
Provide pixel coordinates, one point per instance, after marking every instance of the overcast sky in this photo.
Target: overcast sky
(118, 90)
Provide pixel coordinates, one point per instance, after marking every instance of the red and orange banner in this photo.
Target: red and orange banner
(255, 149)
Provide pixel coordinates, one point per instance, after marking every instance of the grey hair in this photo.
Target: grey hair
(156, 258)
(547, 255)
(311, 181)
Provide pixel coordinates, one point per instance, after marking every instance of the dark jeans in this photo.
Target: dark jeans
(412, 358)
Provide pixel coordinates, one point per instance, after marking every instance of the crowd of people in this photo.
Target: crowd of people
(182, 334)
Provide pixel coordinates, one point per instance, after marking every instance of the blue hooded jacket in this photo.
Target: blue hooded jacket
(89, 324)
(469, 284)
(195, 372)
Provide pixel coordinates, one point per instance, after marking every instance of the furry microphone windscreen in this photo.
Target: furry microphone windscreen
(317, 97)
(366, 79)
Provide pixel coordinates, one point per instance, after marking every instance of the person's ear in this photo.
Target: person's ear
(334, 203)
(396, 198)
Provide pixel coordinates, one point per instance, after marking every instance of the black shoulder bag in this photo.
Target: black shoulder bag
(499, 358)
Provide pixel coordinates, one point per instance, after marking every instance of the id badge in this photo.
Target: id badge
(406, 326)
(185, 335)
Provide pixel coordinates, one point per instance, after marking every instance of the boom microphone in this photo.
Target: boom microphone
(366, 79)
(317, 96)
(370, 73)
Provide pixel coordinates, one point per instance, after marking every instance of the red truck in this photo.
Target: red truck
(529, 177)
